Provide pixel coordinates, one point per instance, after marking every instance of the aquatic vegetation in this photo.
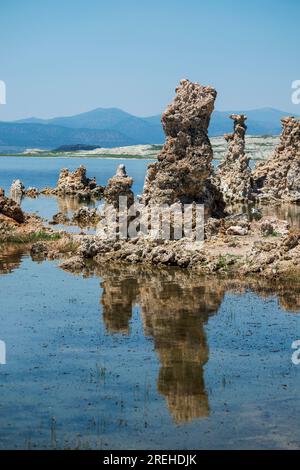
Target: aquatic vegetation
(31, 237)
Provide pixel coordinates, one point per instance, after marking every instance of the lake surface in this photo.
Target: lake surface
(127, 358)
(43, 172)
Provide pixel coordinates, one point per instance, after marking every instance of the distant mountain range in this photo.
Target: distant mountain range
(112, 127)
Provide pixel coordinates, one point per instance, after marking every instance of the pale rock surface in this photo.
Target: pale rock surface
(279, 176)
(183, 172)
(77, 183)
(119, 186)
(17, 191)
(234, 172)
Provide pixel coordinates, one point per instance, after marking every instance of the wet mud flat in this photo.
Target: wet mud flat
(127, 358)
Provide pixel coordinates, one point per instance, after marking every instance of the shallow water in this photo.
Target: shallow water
(128, 359)
(43, 172)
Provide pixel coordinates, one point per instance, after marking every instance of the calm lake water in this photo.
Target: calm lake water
(127, 358)
(43, 172)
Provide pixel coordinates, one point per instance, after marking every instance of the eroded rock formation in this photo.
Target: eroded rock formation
(119, 186)
(85, 216)
(32, 192)
(11, 209)
(183, 172)
(17, 191)
(279, 176)
(77, 183)
(234, 172)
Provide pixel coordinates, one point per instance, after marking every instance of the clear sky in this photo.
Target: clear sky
(62, 57)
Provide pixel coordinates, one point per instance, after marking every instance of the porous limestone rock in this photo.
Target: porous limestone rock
(183, 172)
(17, 191)
(279, 176)
(32, 192)
(85, 216)
(77, 183)
(11, 209)
(39, 249)
(74, 264)
(273, 226)
(59, 218)
(234, 172)
(119, 185)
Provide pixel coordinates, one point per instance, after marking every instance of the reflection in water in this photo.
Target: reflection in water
(10, 257)
(289, 212)
(70, 204)
(174, 309)
(175, 306)
(119, 296)
(174, 315)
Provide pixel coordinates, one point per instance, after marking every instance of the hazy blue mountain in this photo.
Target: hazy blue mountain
(264, 121)
(32, 135)
(112, 127)
(137, 129)
(100, 118)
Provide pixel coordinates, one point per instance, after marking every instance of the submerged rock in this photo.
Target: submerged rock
(39, 250)
(183, 172)
(73, 264)
(234, 172)
(279, 176)
(48, 191)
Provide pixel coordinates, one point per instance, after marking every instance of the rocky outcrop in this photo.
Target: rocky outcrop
(77, 183)
(17, 191)
(275, 256)
(39, 250)
(178, 253)
(32, 192)
(119, 186)
(11, 209)
(183, 172)
(59, 218)
(234, 173)
(85, 216)
(279, 176)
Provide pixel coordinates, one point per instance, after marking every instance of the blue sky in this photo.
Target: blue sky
(61, 57)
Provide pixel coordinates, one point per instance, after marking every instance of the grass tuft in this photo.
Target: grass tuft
(31, 237)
